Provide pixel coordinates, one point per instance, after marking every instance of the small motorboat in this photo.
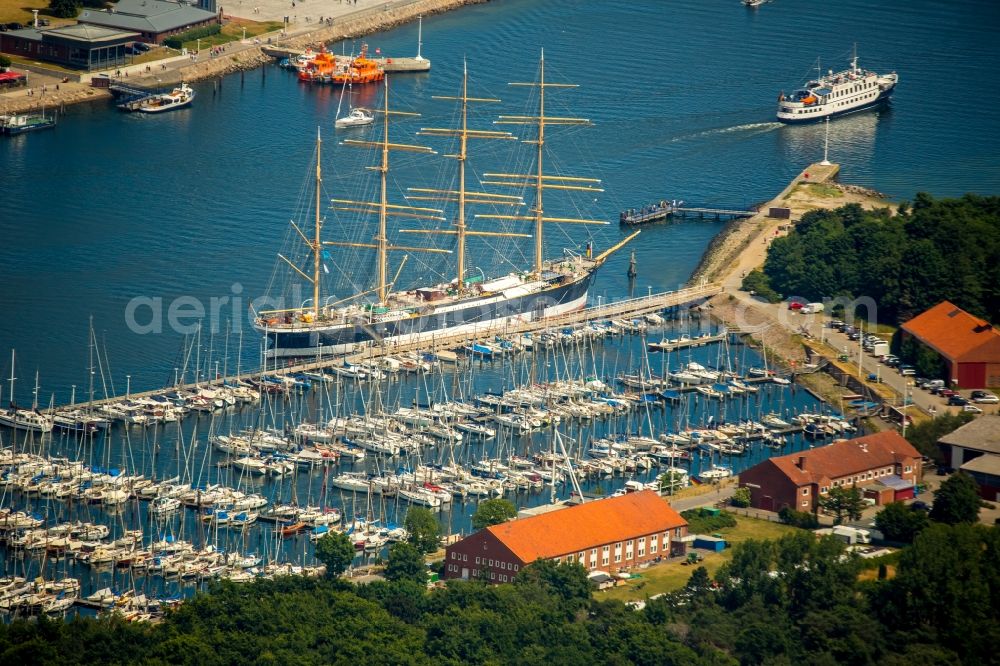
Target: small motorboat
(175, 99)
(358, 117)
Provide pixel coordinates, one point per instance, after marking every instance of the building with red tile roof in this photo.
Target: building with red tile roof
(884, 466)
(969, 345)
(615, 533)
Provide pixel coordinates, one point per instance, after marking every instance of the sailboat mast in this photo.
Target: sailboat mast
(381, 240)
(539, 221)
(317, 243)
(461, 177)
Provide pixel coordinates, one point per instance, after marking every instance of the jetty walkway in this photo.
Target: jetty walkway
(626, 309)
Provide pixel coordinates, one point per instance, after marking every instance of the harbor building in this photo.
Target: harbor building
(81, 46)
(617, 533)
(884, 466)
(153, 20)
(968, 345)
(975, 449)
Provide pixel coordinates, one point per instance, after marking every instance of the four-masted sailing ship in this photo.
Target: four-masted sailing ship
(465, 305)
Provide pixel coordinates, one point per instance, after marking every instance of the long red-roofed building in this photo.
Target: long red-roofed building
(884, 466)
(969, 345)
(616, 533)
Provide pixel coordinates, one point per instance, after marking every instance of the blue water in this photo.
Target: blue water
(110, 206)
(196, 203)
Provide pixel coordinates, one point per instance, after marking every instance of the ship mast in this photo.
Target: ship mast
(382, 207)
(539, 180)
(462, 196)
(315, 244)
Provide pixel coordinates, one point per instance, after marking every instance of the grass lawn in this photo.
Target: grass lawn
(232, 31)
(671, 576)
(816, 190)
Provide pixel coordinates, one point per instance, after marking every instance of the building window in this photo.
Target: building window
(805, 491)
(515, 567)
(477, 559)
(606, 549)
(823, 490)
(805, 502)
(454, 555)
(604, 560)
(465, 558)
(618, 556)
(907, 469)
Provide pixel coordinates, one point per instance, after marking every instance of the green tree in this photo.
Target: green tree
(924, 436)
(843, 503)
(899, 522)
(957, 500)
(741, 497)
(4, 62)
(406, 562)
(566, 579)
(493, 512)
(65, 8)
(336, 551)
(423, 528)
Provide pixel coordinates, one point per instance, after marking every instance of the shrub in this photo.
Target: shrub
(803, 519)
(758, 284)
(702, 521)
(741, 498)
(177, 41)
(4, 62)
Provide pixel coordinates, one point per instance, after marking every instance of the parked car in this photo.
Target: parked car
(985, 398)
(142, 47)
(891, 360)
(920, 506)
(972, 409)
(934, 385)
(907, 370)
(957, 401)
(946, 392)
(835, 323)
(795, 305)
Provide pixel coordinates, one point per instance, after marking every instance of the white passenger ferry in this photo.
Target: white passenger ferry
(836, 94)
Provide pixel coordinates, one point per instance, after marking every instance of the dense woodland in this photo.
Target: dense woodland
(932, 250)
(797, 600)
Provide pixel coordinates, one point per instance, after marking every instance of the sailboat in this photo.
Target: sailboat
(357, 116)
(466, 305)
(24, 419)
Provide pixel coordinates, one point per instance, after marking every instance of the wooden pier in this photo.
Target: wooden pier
(664, 210)
(716, 213)
(635, 307)
(684, 342)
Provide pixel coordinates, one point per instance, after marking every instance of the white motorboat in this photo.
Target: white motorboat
(177, 98)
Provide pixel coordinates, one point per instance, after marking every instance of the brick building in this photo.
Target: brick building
(884, 466)
(83, 46)
(615, 533)
(153, 20)
(969, 346)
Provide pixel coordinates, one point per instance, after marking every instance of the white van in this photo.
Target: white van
(812, 308)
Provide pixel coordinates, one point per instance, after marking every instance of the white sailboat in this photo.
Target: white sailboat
(24, 419)
(356, 115)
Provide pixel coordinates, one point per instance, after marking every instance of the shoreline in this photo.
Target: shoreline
(55, 94)
(742, 246)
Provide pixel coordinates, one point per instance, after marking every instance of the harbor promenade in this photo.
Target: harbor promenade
(340, 20)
